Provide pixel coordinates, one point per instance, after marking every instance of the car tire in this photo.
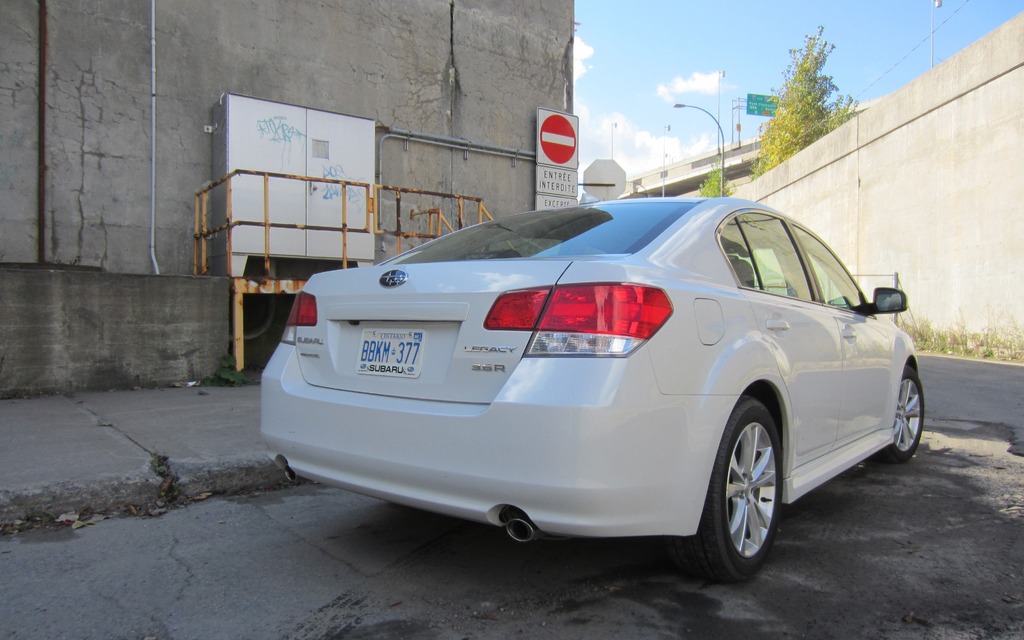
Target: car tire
(909, 421)
(743, 502)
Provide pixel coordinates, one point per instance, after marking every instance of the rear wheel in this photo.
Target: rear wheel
(741, 510)
(907, 426)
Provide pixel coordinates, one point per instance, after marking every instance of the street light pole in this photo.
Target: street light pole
(721, 74)
(721, 135)
(664, 157)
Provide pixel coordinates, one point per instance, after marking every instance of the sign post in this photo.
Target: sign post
(557, 159)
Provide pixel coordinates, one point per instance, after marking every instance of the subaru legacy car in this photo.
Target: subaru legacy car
(651, 367)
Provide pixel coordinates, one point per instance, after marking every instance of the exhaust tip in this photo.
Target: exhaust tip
(518, 525)
(521, 530)
(282, 462)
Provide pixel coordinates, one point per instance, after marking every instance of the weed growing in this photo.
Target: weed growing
(1002, 342)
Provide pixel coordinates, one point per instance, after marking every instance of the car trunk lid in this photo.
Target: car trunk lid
(423, 338)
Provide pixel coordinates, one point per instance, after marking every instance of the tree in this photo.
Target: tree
(710, 187)
(806, 109)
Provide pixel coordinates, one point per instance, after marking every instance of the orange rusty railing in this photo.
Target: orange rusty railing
(372, 221)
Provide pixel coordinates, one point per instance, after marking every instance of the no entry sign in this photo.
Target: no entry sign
(557, 159)
(557, 138)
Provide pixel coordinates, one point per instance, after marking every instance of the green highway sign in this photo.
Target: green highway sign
(761, 105)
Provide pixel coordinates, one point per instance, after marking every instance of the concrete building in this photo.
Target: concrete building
(109, 132)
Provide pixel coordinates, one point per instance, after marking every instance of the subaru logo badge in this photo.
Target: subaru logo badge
(393, 278)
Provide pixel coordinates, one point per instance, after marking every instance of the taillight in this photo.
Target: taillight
(628, 310)
(604, 319)
(517, 310)
(303, 315)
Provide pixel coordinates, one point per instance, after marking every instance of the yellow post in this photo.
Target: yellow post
(266, 224)
(195, 244)
(237, 324)
(344, 226)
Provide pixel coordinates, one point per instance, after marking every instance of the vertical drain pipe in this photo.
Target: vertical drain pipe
(152, 137)
(41, 144)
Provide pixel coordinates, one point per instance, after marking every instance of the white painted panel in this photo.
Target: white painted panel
(267, 136)
(342, 148)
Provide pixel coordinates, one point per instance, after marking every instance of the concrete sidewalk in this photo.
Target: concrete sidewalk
(94, 450)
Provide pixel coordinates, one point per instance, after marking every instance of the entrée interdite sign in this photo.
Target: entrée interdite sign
(557, 159)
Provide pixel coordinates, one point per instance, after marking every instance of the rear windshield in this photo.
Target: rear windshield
(609, 228)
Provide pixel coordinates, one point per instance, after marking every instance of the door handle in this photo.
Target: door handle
(849, 333)
(777, 323)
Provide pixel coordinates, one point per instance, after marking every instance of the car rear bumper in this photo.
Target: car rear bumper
(571, 443)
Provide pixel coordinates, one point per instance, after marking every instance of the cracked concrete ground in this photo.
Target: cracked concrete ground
(94, 450)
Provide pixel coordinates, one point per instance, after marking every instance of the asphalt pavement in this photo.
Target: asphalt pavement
(107, 451)
(925, 550)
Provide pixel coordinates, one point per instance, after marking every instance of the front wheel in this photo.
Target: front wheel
(741, 510)
(909, 420)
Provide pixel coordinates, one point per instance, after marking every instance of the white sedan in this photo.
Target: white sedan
(670, 367)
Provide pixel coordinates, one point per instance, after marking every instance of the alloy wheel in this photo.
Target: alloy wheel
(908, 416)
(750, 490)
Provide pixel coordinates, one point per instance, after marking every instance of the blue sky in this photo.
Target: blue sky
(634, 60)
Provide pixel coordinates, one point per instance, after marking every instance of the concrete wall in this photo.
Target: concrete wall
(76, 329)
(474, 69)
(927, 183)
(469, 69)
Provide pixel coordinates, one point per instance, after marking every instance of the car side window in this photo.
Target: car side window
(738, 253)
(837, 287)
(777, 267)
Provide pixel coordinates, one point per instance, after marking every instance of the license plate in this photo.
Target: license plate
(397, 353)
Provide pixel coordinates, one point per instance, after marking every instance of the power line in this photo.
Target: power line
(909, 53)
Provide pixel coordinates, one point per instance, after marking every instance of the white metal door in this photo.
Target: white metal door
(868, 382)
(341, 148)
(810, 358)
(267, 136)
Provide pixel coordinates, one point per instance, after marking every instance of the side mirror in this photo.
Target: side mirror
(889, 300)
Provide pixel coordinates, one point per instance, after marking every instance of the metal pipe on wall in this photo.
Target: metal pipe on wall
(450, 142)
(152, 137)
(41, 145)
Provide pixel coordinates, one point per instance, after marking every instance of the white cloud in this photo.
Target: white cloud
(702, 83)
(581, 51)
(635, 149)
(615, 136)
(648, 150)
